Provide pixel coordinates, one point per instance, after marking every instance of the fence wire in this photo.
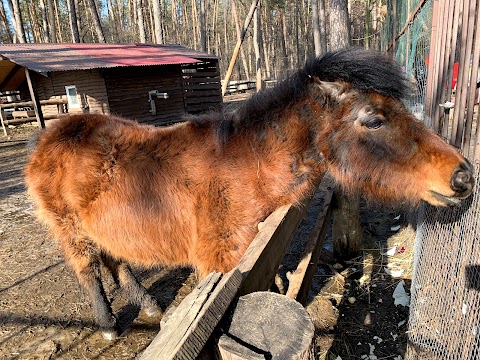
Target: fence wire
(444, 311)
(445, 304)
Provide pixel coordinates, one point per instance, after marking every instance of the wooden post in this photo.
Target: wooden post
(6, 131)
(300, 281)
(346, 230)
(237, 46)
(36, 102)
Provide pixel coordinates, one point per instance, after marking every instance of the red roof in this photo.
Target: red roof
(44, 58)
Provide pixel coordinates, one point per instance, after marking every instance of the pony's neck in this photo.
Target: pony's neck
(286, 153)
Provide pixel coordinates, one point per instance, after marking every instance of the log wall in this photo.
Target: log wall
(192, 88)
(128, 92)
(90, 86)
(201, 83)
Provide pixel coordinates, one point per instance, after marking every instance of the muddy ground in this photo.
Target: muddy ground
(45, 315)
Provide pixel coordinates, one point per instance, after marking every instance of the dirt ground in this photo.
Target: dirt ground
(44, 315)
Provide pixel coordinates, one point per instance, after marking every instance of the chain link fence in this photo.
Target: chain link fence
(445, 293)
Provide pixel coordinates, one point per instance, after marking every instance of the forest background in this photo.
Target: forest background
(281, 37)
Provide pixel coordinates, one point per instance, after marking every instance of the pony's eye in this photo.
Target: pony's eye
(373, 124)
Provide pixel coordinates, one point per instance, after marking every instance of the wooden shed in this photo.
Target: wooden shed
(150, 83)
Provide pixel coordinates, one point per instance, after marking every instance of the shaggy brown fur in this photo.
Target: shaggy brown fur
(112, 190)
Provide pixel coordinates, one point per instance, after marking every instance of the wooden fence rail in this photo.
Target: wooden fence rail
(187, 329)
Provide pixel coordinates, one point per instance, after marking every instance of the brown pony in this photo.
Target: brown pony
(114, 191)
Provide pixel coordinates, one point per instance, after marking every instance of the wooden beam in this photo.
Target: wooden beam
(260, 263)
(36, 102)
(25, 120)
(188, 328)
(30, 103)
(237, 46)
(300, 281)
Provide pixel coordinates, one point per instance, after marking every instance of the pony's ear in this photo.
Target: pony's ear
(333, 89)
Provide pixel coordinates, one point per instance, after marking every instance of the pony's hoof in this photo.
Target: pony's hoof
(110, 334)
(152, 311)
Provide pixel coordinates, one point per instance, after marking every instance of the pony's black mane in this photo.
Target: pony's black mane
(364, 70)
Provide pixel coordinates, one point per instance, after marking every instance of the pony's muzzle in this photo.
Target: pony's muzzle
(462, 181)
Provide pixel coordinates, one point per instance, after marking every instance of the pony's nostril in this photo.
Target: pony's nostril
(462, 180)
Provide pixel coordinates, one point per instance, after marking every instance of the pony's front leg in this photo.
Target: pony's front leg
(136, 292)
(86, 263)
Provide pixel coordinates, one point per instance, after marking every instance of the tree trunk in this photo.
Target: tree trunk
(323, 25)
(96, 21)
(51, 21)
(78, 19)
(46, 32)
(283, 37)
(256, 44)
(239, 39)
(17, 21)
(72, 16)
(32, 13)
(267, 41)
(317, 43)
(57, 21)
(141, 21)
(5, 22)
(203, 30)
(367, 23)
(157, 19)
(339, 24)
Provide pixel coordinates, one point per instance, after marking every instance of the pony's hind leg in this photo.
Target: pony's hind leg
(85, 261)
(136, 292)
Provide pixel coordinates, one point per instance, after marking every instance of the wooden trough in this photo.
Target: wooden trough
(186, 329)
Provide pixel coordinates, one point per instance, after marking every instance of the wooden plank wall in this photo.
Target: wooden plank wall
(128, 89)
(90, 86)
(201, 83)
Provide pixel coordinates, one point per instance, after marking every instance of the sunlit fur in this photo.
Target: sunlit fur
(193, 194)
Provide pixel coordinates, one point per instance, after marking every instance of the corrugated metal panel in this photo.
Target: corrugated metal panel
(44, 58)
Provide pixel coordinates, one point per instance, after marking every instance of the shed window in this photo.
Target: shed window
(72, 97)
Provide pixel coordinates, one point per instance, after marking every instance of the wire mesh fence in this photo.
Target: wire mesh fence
(406, 36)
(438, 45)
(444, 314)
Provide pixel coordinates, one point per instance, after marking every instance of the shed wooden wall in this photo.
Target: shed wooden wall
(128, 92)
(124, 91)
(202, 86)
(90, 87)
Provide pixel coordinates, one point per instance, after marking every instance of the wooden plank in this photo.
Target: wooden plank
(207, 80)
(187, 330)
(260, 262)
(202, 74)
(300, 280)
(210, 86)
(189, 327)
(30, 119)
(30, 103)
